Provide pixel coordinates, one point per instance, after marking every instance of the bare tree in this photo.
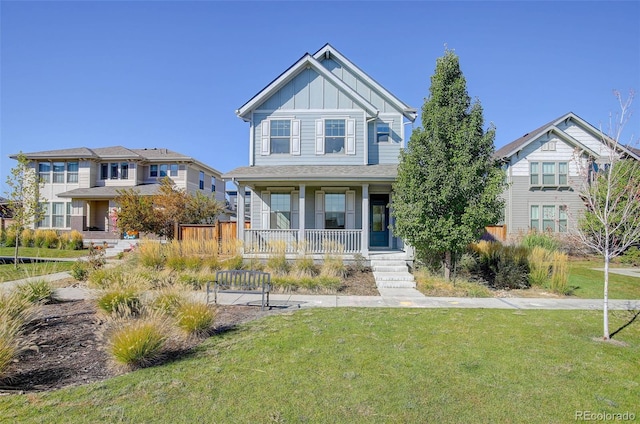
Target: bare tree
(24, 198)
(611, 192)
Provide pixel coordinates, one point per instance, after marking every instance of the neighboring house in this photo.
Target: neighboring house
(6, 216)
(324, 146)
(80, 184)
(544, 174)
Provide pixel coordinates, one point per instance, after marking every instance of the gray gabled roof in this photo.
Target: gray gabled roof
(517, 145)
(360, 173)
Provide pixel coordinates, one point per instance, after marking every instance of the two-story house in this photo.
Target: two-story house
(545, 169)
(324, 143)
(80, 184)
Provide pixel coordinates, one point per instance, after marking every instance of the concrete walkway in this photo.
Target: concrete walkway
(389, 298)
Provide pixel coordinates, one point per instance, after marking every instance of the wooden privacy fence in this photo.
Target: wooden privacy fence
(496, 232)
(223, 232)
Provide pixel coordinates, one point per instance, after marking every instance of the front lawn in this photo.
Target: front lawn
(8, 272)
(373, 365)
(589, 282)
(37, 252)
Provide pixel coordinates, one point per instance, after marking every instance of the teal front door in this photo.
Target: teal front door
(379, 220)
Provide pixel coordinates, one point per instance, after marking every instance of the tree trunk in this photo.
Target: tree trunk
(15, 252)
(605, 306)
(447, 265)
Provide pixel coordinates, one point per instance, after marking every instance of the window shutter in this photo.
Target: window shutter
(295, 137)
(319, 137)
(319, 210)
(351, 137)
(351, 210)
(266, 210)
(295, 209)
(265, 145)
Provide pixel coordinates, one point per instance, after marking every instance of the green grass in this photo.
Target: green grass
(590, 282)
(36, 252)
(372, 365)
(9, 273)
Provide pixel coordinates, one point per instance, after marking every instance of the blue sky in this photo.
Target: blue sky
(171, 74)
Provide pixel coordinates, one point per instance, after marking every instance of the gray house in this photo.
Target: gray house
(324, 143)
(545, 170)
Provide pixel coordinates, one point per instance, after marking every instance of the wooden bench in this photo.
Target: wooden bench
(240, 281)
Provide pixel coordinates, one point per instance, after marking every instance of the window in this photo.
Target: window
(334, 135)
(44, 168)
(173, 170)
(548, 173)
(562, 173)
(280, 211)
(549, 146)
(124, 171)
(67, 221)
(201, 185)
(545, 217)
(58, 172)
(280, 137)
(57, 212)
(104, 171)
(535, 173)
(46, 219)
(72, 172)
(334, 211)
(535, 217)
(153, 170)
(383, 132)
(213, 184)
(114, 171)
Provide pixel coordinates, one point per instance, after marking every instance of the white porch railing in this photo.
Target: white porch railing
(268, 241)
(315, 241)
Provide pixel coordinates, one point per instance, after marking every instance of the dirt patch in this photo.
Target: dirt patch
(64, 347)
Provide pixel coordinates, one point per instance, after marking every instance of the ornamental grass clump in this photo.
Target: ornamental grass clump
(539, 266)
(167, 302)
(333, 266)
(305, 267)
(15, 310)
(27, 237)
(151, 254)
(559, 273)
(137, 343)
(194, 318)
(120, 302)
(38, 291)
(540, 239)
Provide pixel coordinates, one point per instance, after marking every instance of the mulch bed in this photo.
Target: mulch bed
(64, 346)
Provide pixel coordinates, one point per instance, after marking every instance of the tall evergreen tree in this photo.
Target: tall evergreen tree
(449, 185)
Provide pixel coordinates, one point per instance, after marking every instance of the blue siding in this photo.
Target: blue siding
(386, 152)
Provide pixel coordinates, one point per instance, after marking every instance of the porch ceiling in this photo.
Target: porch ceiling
(360, 173)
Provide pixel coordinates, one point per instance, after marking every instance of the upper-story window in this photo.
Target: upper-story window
(280, 218)
(104, 171)
(72, 172)
(334, 135)
(549, 146)
(280, 136)
(213, 184)
(58, 172)
(201, 184)
(334, 210)
(124, 171)
(549, 173)
(114, 171)
(44, 170)
(383, 132)
(164, 170)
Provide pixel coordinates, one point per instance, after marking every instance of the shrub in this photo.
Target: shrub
(540, 239)
(96, 257)
(235, 262)
(631, 257)
(151, 255)
(120, 302)
(137, 343)
(539, 266)
(305, 267)
(559, 273)
(333, 266)
(38, 291)
(503, 267)
(194, 318)
(359, 262)
(434, 285)
(10, 238)
(75, 240)
(51, 239)
(27, 237)
(80, 270)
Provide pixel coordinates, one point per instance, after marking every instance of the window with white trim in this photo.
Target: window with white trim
(335, 208)
(334, 135)
(549, 173)
(280, 136)
(44, 170)
(57, 215)
(104, 171)
(58, 172)
(213, 184)
(548, 218)
(280, 214)
(45, 222)
(114, 171)
(124, 171)
(201, 183)
(383, 132)
(72, 172)
(549, 146)
(67, 221)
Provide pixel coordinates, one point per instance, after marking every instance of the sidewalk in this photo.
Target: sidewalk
(389, 298)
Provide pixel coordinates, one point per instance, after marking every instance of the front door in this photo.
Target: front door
(379, 220)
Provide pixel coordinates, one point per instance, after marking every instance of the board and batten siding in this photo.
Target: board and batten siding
(308, 154)
(389, 152)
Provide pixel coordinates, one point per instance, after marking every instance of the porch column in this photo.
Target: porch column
(301, 216)
(365, 220)
(240, 212)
